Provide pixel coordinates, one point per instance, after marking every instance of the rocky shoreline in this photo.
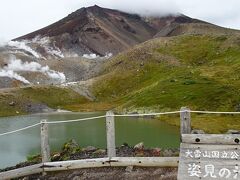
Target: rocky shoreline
(72, 151)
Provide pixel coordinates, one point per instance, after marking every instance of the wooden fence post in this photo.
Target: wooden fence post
(185, 121)
(45, 149)
(110, 130)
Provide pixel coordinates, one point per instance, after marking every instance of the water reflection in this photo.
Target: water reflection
(16, 147)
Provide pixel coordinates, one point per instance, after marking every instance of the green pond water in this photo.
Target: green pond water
(16, 147)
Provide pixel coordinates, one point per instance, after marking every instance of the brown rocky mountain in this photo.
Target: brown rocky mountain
(70, 46)
(99, 30)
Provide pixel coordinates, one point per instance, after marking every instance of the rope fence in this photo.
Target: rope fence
(212, 112)
(116, 115)
(18, 130)
(111, 158)
(75, 120)
(150, 114)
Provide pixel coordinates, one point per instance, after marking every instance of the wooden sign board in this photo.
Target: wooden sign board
(209, 161)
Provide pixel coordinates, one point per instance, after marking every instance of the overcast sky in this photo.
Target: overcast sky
(18, 17)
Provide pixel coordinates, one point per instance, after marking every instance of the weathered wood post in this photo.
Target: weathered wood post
(45, 149)
(185, 121)
(110, 130)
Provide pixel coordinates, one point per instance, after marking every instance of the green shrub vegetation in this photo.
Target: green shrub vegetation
(198, 71)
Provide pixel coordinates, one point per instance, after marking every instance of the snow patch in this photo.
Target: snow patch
(91, 56)
(62, 111)
(69, 84)
(95, 56)
(108, 55)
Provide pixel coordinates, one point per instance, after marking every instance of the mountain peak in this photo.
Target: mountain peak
(95, 6)
(100, 30)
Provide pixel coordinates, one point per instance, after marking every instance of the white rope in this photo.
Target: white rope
(120, 115)
(150, 114)
(75, 120)
(18, 130)
(212, 112)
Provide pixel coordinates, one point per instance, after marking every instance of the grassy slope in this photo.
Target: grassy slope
(202, 72)
(54, 97)
(198, 71)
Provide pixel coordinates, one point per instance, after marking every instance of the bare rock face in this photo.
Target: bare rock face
(6, 82)
(98, 30)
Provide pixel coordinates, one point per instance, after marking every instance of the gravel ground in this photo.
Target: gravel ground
(112, 173)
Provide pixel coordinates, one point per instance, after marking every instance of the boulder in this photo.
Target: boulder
(12, 103)
(89, 148)
(56, 157)
(197, 131)
(168, 153)
(231, 131)
(99, 152)
(125, 145)
(76, 178)
(129, 169)
(156, 152)
(139, 146)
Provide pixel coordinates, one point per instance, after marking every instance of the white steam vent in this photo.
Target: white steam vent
(16, 65)
(45, 43)
(22, 45)
(51, 49)
(13, 75)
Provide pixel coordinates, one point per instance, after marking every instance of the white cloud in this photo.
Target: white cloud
(20, 17)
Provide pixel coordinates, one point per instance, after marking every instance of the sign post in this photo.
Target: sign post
(209, 156)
